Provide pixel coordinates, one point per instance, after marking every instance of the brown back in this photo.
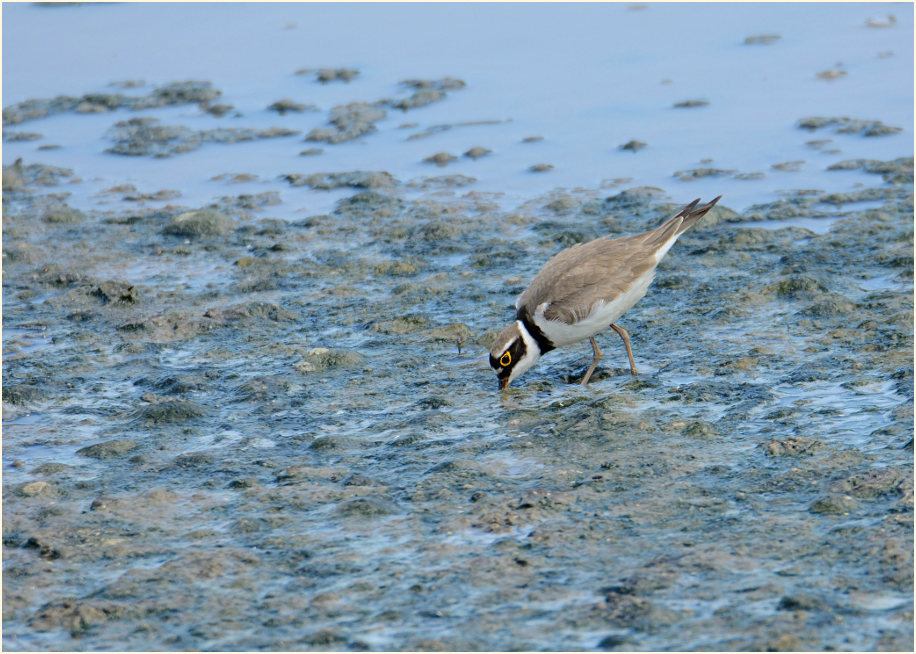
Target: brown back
(575, 278)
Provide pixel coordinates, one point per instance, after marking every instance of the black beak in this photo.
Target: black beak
(503, 383)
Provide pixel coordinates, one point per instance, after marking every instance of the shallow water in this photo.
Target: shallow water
(271, 424)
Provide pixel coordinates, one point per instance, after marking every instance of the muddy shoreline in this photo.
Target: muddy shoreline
(228, 431)
(246, 398)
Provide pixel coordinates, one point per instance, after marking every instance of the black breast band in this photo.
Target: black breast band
(543, 342)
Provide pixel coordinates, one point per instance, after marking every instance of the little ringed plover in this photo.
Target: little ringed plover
(581, 291)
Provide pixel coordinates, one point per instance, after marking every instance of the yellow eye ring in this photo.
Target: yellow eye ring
(505, 359)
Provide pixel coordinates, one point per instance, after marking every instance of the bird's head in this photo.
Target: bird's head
(514, 352)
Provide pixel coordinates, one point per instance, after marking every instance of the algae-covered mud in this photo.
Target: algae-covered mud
(246, 398)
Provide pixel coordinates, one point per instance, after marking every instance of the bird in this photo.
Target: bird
(581, 291)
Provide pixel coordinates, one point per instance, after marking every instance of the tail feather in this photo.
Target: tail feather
(691, 215)
(667, 233)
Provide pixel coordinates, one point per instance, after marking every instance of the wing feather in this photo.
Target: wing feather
(574, 279)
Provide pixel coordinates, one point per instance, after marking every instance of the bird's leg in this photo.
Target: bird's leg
(595, 361)
(626, 341)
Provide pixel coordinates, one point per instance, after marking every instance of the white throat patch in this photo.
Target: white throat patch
(532, 353)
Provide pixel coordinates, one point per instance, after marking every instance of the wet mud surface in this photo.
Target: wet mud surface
(243, 426)
(223, 430)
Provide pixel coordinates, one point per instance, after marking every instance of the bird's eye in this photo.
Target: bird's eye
(505, 359)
